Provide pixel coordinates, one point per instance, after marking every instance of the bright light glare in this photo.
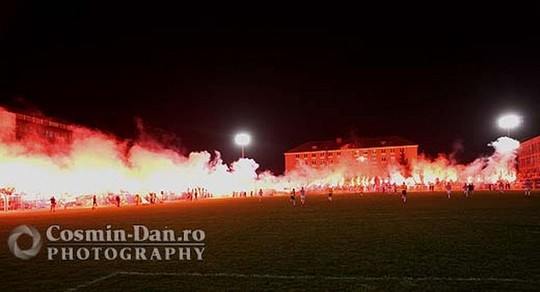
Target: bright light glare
(242, 139)
(509, 121)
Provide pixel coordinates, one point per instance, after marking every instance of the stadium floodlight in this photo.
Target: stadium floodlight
(242, 139)
(509, 122)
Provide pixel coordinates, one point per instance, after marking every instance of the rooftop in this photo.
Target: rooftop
(530, 139)
(358, 143)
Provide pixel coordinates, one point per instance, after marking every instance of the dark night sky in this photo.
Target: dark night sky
(434, 75)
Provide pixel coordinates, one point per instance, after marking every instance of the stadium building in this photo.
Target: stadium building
(529, 161)
(38, 134)
(380, 152)
(15, 126)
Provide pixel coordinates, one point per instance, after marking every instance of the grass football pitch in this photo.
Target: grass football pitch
(372, 242)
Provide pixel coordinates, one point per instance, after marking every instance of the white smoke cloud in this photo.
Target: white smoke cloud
(97, 163)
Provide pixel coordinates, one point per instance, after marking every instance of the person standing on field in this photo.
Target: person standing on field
(404, 192)
(94, 203)
(53, 204)
(528, 186)
(448, 189)
(293, 197)
(471, 188)
(330, 193)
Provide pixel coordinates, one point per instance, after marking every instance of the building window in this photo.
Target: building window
(297, 156)
(383, 158)
(314, 155)
(305, 156)
(374, 151)
(383, 150)
(392, 150)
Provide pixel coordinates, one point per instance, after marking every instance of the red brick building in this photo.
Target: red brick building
(375, 151)
(529, 160)
(16, 126)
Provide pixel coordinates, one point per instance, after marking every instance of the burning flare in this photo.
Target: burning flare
(98, 163)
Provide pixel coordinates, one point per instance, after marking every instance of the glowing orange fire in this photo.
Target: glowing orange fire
(499, 167)
(96, 163)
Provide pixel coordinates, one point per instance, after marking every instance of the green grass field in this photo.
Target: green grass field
(370, 242)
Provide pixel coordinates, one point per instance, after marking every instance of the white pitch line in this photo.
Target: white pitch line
(89, 283)
(365, 278)
(271, 276)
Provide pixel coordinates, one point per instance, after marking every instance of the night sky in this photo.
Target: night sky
(438, 76)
